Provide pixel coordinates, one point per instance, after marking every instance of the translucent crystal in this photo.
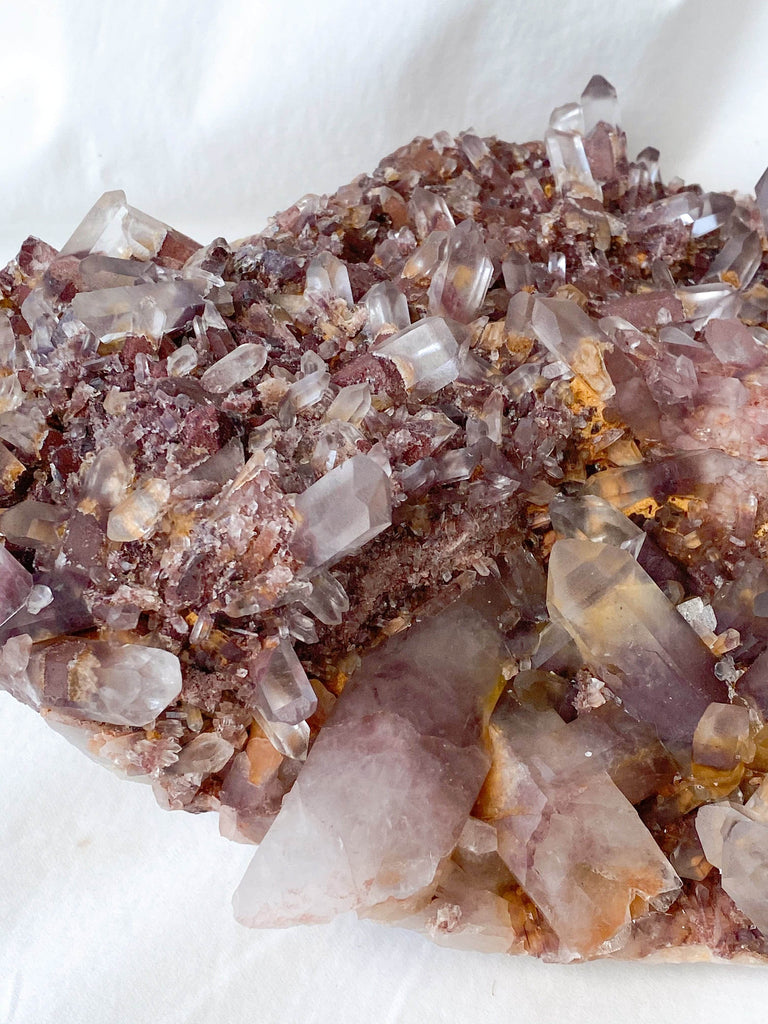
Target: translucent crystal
(599, 103)
(33, 524)
(124, 684)
(721, 739)
(738, 260)
(733, 343)
(327, 600)
(386, 304)
(235, 367)
(182, 361)
(205, 754)
(631, 636)
(735, 840)
(571, 335)
(592, 518)
(426, 354)
(328, 278)
(281, 688)
(352, 404)
(114, 228)
(15, 585)
(518, 272)
(569, 164)
(389, 782)
(136, 516)
(702, 302)
(342, 511)
(573, 841)
(460, 282)
(699, 615)
(289, 740)
(429, 212)
(150, 309)
(107, 478)
(715, 210)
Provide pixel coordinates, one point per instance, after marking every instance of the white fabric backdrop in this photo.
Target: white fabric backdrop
(212, 116)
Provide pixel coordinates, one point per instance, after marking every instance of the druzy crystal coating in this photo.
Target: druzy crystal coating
(421, 536)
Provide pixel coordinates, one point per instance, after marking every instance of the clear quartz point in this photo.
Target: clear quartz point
(234, 368)
(327, 600)
(386, 304)
(599, 103)
(426, 354)
(592, 518)
(463, 277)
(342, 511)
(114, 228)
(328, 278)
(282, 691)
(572, 336)
(569, 164)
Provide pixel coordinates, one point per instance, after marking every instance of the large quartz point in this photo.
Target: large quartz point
(390, 781)
(124, 684)
(568, 834)
(735, 840)
(630, 634)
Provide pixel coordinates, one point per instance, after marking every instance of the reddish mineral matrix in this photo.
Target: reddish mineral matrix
(422, 536)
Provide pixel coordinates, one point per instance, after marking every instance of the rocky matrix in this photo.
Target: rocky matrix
(422, 536)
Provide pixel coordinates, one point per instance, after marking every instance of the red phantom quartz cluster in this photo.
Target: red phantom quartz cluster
(421, 536)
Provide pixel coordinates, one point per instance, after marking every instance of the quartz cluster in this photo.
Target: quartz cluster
(423, 537)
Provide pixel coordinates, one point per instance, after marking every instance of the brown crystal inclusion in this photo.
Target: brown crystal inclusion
(421, 536)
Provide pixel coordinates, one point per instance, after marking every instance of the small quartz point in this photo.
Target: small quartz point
(234, 368)
(149, 310)
(107, 478)
(592, 518)
(282, 691)
(632, 637)
(327, 600)
(386, 304)
(573, 841)
(460, 282)
(569, 334)
(599, 103)
(15, 585)
(342, 511)
(721, 739)
(564, 140)
(328, 278)
(390, 781)
(136, 516)
(426, 354)
(205, 754)
(124, 684)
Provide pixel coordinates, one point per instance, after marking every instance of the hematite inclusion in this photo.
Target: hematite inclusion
(422, 536)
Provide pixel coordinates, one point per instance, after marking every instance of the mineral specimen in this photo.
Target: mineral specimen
(421, 536)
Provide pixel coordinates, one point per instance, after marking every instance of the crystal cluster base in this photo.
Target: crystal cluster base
(422, 537)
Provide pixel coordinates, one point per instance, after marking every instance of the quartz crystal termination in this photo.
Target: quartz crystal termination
(421, 536)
